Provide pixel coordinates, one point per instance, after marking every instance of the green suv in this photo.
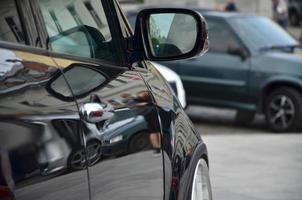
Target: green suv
(252, 66)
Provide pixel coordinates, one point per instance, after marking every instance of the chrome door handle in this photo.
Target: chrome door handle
(95, 112)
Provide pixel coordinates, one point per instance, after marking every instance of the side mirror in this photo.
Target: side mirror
(165, 34)
(237, 52)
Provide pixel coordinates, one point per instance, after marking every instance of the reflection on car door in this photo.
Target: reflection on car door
(38, 131)
(123, 137)
(119, 117)
(217, 76)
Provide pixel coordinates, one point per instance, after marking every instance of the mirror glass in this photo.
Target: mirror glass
(172, 34)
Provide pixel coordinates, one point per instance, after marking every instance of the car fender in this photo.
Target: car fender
(187, 178)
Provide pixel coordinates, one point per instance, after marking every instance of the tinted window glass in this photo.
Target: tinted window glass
(78, 27)
(10, 27)
(221, 37)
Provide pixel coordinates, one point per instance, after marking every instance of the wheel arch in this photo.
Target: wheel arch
(275, 84)
(200, 152)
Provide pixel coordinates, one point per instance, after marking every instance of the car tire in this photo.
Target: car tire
(139, 142)
(283, 110)
(244, 117)
(77, 159)
(294, 18)
(94, 151)
(201, 185)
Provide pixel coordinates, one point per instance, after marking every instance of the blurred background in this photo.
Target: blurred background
(259, 7)
(250, 158)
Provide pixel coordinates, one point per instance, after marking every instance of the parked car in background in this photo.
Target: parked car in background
(252, 66)
(295, 12)
(77, 84)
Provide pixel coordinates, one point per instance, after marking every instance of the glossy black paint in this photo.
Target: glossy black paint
(182, 145)
(38, 132)
(147, 150)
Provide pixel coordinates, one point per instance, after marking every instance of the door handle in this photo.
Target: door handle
(96, 112)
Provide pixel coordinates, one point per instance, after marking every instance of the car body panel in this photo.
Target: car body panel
(180, 139)
(174, 81)
(35, 148)
(135, 121)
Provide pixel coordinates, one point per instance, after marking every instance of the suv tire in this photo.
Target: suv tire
(283, 110)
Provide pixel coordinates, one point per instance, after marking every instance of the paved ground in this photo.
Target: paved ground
(249, 163)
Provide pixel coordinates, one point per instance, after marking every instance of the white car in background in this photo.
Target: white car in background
(174, 81)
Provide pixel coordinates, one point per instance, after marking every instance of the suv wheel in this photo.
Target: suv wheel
(294, 18)
(283, 110)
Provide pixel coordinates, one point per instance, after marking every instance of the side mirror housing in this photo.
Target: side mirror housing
(237, 52)
(164, 34)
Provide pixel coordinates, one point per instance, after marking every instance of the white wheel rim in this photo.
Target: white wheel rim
(200, 190)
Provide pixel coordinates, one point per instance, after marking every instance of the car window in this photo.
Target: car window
(79, 28)
(10, 26)
(221, 37)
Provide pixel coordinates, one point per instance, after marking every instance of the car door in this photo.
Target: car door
(118, 114)
(219, 77)
(38, 131)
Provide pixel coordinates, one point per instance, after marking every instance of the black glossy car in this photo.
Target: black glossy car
(84, 114)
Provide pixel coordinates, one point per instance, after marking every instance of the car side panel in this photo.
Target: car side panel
(38, 131)
(207, 79)
(130, 164)
(180, 140)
